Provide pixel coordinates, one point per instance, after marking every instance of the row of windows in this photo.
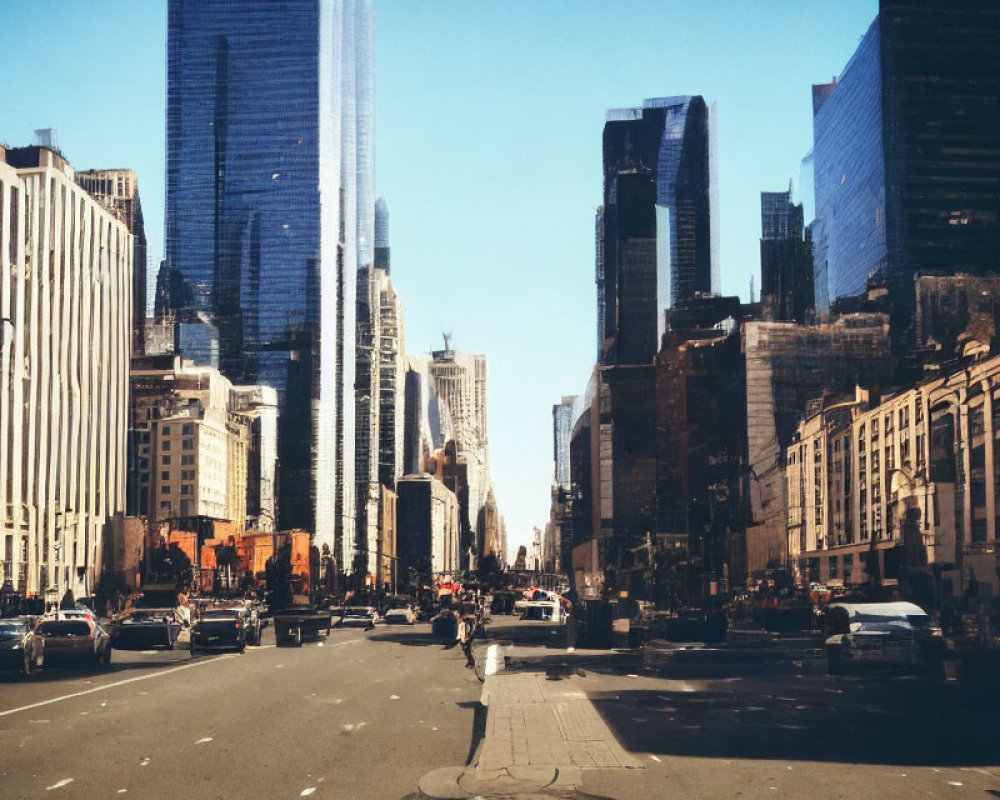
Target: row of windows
(186, 444)
(187, 429)
(186, 488)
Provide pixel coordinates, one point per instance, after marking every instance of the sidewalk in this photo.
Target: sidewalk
(542, 730)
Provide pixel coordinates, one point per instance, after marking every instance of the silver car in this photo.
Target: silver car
(897, 634)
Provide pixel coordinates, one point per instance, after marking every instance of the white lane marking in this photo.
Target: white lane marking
(144, 762)
(655, 758)
(307, 792)
(142, 678)
(115, 684)
(59, 785)
(204, 740)
(393, 696)
(122, 791)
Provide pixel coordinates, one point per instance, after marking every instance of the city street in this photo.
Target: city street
(363, 715)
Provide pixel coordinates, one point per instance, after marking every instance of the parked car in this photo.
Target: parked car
(20, 649)
(896, 634)
(358, 617)
(149, 620)
(220, 629)
(68, 640)
(400, 616)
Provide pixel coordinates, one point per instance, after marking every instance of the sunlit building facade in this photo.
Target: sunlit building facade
(66, 309)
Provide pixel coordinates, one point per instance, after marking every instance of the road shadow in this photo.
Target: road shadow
(881, 720)
(412, 639)
(532, 634)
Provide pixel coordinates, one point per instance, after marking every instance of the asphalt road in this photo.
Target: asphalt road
(364, 715)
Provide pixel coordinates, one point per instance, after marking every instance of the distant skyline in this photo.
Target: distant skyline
(488, 132)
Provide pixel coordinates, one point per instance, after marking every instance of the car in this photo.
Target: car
(358, 617)
(896, 634)
(20, 649)
(70, 640)
(149, 620)
(400, 616)
(220, 629)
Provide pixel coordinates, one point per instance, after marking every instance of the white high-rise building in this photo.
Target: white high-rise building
(66, 308)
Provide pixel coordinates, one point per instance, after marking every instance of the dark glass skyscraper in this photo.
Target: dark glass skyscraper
(785, 259)
(658, 221)
(270, 210)
(907, 154)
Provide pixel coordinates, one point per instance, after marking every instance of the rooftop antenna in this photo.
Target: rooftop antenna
(447, 340)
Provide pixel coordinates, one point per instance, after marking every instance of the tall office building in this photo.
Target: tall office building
(118, 190)
(270, 217)
(786, 275)
(658, 229)
(907, 154)
(564, 414)
(66, 335)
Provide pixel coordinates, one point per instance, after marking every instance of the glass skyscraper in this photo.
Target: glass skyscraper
(849, 174)
(270, 216)
(907, 155)
(658, 244)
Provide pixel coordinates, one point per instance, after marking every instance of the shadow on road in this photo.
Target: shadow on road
(412, 638)
(880, 720)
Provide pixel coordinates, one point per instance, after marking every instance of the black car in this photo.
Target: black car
(149, 620)
(73, 640)
(220, 629)
(20, 649)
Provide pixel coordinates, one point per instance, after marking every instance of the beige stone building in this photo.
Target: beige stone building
(65, 316)
(918, 474)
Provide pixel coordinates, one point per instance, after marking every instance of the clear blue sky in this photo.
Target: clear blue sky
(489, 155)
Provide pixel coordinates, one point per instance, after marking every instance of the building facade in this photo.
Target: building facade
(268, 224)
(118, 190)
(203, 448)
(66, 309)
(787, 367)
(786, 270)
(428, 528)
(914, 479)
(905, 152)
(659, 226)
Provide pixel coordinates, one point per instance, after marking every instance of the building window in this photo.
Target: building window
(187, 488)
(187, 461)
(165, 505)
(165, 489)
(165, 460)
(166, 444)
(833, 566)
(164, 476)
(187, 444)
(187, 474)
(188, 429)
(165, 430)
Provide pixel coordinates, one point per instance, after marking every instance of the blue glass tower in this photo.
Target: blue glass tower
(906, 156)
(270, 215)
(849, 243)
